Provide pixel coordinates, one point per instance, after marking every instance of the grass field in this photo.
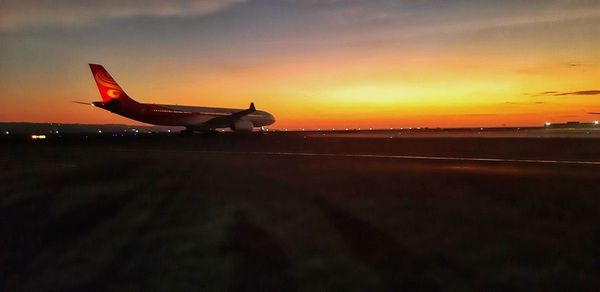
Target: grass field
(160, 214)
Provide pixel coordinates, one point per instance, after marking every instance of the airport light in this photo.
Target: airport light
(99, 131)
(7, 132)
(548, 124)
(35, 137)
(596, 122)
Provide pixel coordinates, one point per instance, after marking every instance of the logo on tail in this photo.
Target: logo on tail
(108, 87)
(105, 80)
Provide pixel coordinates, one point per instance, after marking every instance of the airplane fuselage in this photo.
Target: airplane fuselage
(192, 117)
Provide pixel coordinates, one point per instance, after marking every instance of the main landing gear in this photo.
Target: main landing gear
(205, 133)
(187, 132)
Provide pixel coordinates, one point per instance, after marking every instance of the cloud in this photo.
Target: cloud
(519, 103)
(365, 23)
(31, 13)
(558, 93)
(582, 92)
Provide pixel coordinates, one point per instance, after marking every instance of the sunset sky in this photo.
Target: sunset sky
(313, 64)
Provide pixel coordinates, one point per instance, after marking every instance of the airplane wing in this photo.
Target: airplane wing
(240, 114)
(225, 120)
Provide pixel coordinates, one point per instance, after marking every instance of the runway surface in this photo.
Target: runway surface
(406, 157)
(286, 213)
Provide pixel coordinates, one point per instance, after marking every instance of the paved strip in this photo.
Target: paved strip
(380, 156)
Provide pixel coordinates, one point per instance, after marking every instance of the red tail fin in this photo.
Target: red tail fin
(108, 87)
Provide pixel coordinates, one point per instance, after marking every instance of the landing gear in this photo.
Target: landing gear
(210, 133)
(204, 133)
(186, 133)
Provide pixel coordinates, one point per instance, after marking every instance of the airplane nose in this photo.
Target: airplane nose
(271, 118)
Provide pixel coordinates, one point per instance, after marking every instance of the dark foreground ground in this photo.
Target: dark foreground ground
(210, 213)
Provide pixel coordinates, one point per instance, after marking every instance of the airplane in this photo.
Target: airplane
(193, 118)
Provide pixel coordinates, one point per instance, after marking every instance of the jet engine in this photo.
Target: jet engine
(242, 126)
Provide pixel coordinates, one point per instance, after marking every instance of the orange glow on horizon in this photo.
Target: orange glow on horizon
(353, 88)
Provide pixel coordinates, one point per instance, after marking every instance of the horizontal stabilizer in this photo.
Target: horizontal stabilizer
(82, 102)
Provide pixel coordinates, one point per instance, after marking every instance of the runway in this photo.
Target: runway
(377, 156)
(363, 214)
